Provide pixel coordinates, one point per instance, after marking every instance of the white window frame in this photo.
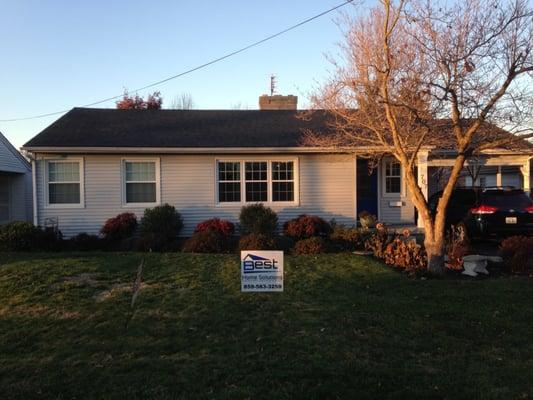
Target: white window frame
(81, 165)
(269, 161)
(217, 181)
(157, 162)
(384, 177)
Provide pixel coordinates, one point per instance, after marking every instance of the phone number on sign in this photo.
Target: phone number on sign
(261, 286)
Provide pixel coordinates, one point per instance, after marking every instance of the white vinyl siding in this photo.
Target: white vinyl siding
(189, 183)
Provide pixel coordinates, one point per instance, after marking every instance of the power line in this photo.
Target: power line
(216, 60)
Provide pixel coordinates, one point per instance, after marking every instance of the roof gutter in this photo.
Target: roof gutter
(197, 150)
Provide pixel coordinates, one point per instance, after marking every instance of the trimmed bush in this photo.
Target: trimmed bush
(85, 242)
(209, 241)
(404, 253)
(517, 253)
(256, 218)
(220, 225)
(344, 238)
(313, 245)
(120, 227)
(257, 241)
(306, 226)
(162, 222)
(19, 236)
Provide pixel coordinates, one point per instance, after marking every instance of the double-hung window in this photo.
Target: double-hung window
(64, 182)
(141, 182)
(282, 181)
(253, 181)
(229, 182)
(393, 177)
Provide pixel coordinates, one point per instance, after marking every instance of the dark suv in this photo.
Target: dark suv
(488, 212)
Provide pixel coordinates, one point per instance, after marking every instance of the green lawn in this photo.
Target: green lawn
(345, 327)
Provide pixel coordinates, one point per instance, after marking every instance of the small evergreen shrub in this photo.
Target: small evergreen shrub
(120, 227)
(517, 253)
(256, 218)
(209, 241)
(306, 226)
(162, 222)
(85, 242)
(257, 241)
(312, 245)
(220, 225)
(19, 236)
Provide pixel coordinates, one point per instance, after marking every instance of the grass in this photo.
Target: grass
(345, 327)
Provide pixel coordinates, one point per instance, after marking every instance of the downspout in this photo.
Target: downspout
(34, 190)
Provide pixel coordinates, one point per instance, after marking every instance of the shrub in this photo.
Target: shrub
(162, 222)
(209, 241)
(85, 242)
(49, 239)
(378, 241)
(367, 220)
(257, 241)
(347, 239)
(456, 248)
(306, 226)
(19, 236)
(120, 227)
(256, 218)
(313, 245)
(517, 253)
(220, 225)
(404, 253)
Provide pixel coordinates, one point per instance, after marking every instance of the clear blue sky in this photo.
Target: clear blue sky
(59, 54)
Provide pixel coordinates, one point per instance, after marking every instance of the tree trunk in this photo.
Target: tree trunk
(435, 252)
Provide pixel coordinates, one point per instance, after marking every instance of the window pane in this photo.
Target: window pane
(256, 171)
(63, 171)
(228, 192)
(283, 191)
(392, 184)
(229, 171)
(140, 171)
(282, 171)
(256, 191)
(64, 193)
(140, 193)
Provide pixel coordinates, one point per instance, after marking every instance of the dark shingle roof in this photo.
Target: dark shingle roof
(93, 127)
(84, 127)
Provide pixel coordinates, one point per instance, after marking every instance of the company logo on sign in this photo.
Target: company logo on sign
(254, 264)
(261, 271)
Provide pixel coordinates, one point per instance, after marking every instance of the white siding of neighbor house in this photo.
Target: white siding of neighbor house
(326, 188)
(397, 208)
(19, 189)
(9, 161)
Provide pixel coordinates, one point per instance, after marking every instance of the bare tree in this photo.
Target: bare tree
(417, 74)
(184, 101)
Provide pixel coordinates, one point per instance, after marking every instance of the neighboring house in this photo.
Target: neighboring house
(93, 164)
(15, 184)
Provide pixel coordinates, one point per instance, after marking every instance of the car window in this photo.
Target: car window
(507, 198)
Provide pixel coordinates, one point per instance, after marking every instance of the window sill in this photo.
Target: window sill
(140, 205)
(66, 205)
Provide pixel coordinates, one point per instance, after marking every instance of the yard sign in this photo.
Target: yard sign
(261, 271)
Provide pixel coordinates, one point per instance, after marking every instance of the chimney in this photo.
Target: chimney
(278, 102)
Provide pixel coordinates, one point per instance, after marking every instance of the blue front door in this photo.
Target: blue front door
(367, 188)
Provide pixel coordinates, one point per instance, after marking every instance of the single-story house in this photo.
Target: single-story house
(92, 164)
(15, 184)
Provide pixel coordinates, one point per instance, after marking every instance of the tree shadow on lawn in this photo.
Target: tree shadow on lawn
(343, 327)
